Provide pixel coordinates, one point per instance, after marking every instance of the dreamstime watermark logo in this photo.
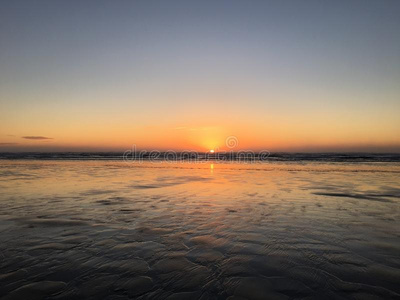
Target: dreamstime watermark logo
(229, 153)
(231, 142)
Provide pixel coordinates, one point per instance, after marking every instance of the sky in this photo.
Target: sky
(187, 75)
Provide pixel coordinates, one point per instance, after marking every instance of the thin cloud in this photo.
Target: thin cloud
(180, 128)
(34, 137)
(8, 144)
(191, 128)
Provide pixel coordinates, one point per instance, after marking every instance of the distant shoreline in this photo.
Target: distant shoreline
(202, 156)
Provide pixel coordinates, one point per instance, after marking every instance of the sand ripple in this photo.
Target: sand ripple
(105, 230)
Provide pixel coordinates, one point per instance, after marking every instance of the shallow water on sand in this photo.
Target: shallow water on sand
(116, 230)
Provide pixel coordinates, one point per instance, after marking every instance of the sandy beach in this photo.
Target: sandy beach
(117, 230)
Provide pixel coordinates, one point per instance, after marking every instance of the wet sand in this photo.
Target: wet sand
(116, 230)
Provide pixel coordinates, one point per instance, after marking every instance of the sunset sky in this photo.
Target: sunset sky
(278, 75)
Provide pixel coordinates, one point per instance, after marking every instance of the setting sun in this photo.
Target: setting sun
(212, 151)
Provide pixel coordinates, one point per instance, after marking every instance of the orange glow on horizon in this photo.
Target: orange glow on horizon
(255, 134)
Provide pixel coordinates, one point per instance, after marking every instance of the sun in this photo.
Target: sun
(212, 151)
